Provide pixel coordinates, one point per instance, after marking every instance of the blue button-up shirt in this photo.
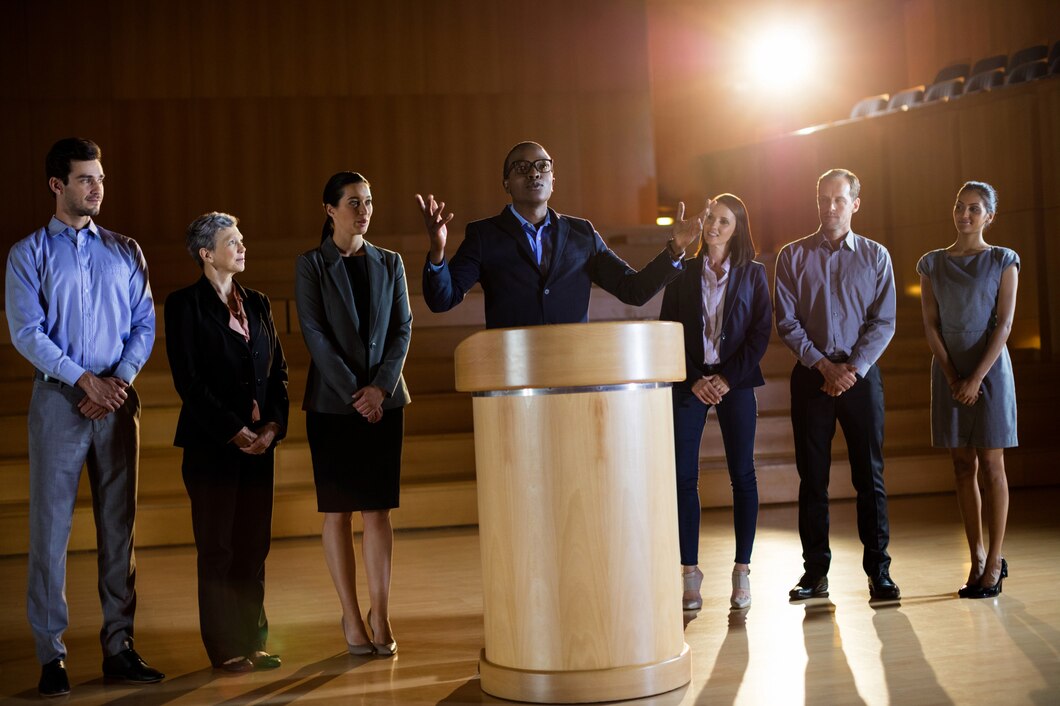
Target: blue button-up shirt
(79, 300)
(835, 302)
(540, 237)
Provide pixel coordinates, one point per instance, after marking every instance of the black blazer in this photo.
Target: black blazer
(327, 315)
(217, 373)
(497, 254)
(747, 321)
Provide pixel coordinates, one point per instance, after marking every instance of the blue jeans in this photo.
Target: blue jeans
(738, 419)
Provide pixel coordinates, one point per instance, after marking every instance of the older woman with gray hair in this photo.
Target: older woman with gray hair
(230, 372)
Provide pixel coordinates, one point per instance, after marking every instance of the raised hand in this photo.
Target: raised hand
(435, 220)
(686, 231)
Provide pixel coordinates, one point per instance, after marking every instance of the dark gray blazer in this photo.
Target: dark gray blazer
(341, 364)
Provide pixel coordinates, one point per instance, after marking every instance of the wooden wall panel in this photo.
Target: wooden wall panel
(152, 49)
(996, 145)
(475, 47)
(309, 41)
(231, 53)
(68, 52)
(618, 176)
(924, 169)
(17, 71)
(386, 48)
(862, 150)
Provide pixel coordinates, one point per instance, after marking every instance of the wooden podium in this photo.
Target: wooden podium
(577, 509)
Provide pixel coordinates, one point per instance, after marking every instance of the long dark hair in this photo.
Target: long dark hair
(333, 192)
(741, 246)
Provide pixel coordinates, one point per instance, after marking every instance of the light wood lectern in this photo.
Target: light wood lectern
(577, 509)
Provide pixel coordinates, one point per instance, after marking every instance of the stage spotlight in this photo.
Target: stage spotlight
(782, 57)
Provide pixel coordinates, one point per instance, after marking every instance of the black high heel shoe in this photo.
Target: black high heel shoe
(990, 591)
(968, 589)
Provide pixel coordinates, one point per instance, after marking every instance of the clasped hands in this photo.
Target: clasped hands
(369, 402)
(838, 377)
(966, 390)
(256, 443)
(103, 395)
(709, 389)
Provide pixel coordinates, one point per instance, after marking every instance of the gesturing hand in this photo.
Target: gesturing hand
(685, 231)
(435, 220)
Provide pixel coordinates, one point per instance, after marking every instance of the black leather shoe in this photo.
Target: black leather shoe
(809, 587)
(53, 679)
(127, 666)
(263, 660)
(882, 588)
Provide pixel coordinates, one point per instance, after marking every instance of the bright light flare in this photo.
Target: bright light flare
(782, 57)
(664, 221)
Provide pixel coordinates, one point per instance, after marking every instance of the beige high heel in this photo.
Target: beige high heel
(384, 649)
(692, 598)
(741, 581)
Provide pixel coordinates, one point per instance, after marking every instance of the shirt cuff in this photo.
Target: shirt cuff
(126, 371)
(433, 267)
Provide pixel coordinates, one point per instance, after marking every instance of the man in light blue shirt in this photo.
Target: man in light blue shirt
(835, 310)
(79, 309)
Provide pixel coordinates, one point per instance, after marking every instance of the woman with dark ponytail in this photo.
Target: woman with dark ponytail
(353, 308)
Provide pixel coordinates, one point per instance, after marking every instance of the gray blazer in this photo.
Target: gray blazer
(328, 318)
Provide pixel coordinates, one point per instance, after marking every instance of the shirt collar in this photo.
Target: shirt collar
(527, 224)
(57, 227)
(725, 266)
(848, 241)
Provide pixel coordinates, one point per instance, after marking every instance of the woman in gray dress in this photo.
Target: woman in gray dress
(968, 297)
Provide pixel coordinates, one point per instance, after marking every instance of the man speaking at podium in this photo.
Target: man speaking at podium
(537, 266)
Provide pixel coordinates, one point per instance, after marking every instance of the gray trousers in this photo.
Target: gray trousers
(61, 440)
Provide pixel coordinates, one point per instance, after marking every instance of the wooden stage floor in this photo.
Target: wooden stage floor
(931, 649)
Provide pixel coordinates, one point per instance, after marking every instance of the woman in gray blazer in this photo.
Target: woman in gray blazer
(353, 309)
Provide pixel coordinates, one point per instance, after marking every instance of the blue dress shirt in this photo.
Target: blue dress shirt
(79, 300)
(835, 302)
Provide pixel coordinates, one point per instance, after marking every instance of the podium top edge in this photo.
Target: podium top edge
(571, 355)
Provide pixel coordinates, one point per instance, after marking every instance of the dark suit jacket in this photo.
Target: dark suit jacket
(497, 254)
(328, 317)
(747, 321)
(217, 373)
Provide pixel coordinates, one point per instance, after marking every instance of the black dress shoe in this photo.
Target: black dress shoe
(263, 660)
(127, 666)
(882, 588)
(53, 679)
(809, 587)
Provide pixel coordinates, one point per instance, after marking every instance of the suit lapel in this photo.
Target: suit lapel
(560, 231)
(732, 291)
(508, 223)
(376, 277)
(339, 278)
(216, 309)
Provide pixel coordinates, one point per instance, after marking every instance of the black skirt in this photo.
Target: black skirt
(356, 465)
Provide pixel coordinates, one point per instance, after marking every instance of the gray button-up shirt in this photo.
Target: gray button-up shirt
(835, 303)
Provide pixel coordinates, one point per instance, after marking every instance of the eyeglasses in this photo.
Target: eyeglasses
(522, 167)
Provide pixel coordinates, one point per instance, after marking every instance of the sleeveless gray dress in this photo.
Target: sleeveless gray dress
(966, 289)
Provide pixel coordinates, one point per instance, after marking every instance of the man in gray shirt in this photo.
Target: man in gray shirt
(835, 309)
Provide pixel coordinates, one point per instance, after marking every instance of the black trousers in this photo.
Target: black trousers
(231, 514)
(859, 412)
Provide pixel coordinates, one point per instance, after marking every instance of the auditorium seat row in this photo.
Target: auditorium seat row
(961, 79)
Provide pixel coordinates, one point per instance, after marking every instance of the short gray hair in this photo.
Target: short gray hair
(855, 183)
(202, 232)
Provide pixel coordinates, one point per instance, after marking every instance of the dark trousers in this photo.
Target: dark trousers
(737, 418)
(231, 514)
(859, 412)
